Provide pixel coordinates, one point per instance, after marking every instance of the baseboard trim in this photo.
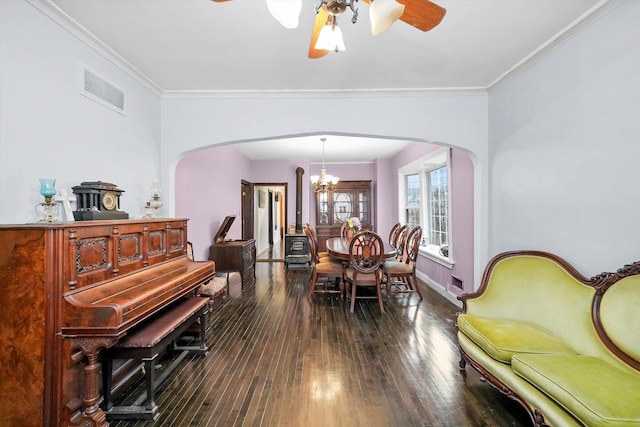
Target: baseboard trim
(449, 296)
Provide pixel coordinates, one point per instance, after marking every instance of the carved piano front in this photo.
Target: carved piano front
(69, 290)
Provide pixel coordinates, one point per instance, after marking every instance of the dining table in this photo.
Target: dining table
(338, 248)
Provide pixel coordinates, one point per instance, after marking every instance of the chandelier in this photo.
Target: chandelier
(324, 182)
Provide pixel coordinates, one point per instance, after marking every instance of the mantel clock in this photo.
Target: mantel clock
(98, 200)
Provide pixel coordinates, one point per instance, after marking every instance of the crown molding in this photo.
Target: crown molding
(74, 28)
(585, 20)
(324, 93)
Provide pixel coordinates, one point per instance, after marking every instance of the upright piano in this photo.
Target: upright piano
(233, 255)
(69, 290)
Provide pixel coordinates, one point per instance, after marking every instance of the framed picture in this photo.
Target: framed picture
(261, 198)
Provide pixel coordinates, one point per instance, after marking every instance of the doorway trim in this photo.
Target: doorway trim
(274, 254)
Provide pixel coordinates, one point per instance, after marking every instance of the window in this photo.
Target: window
(412, 209)
(425, 201)
(437, 189)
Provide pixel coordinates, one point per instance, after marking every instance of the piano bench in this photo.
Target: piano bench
(147, 342)
(218, 286)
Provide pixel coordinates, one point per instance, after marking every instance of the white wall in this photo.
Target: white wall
(49, 130)
(564, 149)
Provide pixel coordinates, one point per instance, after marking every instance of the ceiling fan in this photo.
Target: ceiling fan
(326, 36)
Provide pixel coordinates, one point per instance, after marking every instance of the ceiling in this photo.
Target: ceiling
(337, 149)
(189, 47)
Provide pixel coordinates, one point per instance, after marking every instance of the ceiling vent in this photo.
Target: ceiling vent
(102, 91)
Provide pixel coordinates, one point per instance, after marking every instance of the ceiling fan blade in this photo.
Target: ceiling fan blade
(321, 20)
(422, 14)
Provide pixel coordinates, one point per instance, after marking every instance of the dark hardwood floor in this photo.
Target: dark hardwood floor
(276, 359)
(273, 253)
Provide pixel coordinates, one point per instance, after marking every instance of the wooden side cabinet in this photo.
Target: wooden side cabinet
(235, 255)
(350, 199)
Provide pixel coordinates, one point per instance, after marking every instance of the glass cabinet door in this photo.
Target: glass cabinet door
(363, 207)
(323, 209)
(342, 206)
(350, 199)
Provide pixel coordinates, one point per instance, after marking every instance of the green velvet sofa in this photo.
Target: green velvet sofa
(566, 347)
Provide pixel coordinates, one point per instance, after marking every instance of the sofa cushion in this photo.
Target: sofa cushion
(502, 338)
(594, 391)
(620, 316)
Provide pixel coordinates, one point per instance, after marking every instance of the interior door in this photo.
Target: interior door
(271, 222)
(246, 189)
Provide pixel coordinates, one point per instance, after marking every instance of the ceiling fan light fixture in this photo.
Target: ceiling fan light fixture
(383, 13)
(287, 12)
(330, 37)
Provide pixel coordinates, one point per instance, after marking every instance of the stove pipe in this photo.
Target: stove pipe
(299, 173)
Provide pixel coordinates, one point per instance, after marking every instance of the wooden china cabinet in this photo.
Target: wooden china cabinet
(350, 199)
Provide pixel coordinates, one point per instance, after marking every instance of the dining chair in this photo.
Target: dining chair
(319, 256)
(325, 269)
(314, 236)
(401, 241)
(344, 230)
(393, 234)
(366, 253)
(400, 275)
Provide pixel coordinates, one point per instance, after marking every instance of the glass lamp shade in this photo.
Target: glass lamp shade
(286, 12)
(324, 182)
(47, 211)
(47, 187)
(330, 38)
(383, 13)
(330, 179)
(155, 188)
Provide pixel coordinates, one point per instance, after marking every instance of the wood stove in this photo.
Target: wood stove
(296, 245)
(297, 251)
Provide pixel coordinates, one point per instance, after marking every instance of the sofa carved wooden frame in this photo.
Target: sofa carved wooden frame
(600, 282)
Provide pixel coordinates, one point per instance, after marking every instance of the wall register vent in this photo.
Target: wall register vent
(97, 88)
(457, 282)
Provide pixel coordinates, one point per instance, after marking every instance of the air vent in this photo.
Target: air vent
(97, 88)
(457, 282)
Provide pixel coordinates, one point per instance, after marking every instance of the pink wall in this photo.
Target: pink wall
(386, 186)
(207, 190)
